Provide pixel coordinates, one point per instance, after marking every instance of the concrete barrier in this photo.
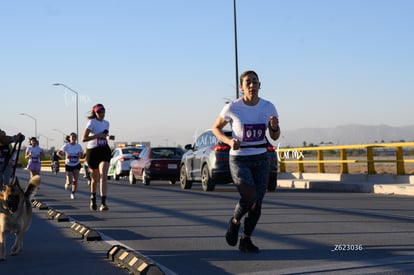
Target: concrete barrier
(362, 183)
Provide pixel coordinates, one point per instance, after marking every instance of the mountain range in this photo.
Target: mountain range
(347, 134)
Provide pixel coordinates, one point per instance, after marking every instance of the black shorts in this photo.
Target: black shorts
(69, 168)
(97, 155)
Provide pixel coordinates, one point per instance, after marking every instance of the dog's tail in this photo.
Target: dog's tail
(32, 187)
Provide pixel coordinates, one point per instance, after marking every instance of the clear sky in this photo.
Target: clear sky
(163, 68)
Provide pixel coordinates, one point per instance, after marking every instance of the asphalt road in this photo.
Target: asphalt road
(182, 231)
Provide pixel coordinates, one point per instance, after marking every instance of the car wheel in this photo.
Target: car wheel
(145, 178)
(271, 186)
(132, 179)
(206, 182)
(184, 182)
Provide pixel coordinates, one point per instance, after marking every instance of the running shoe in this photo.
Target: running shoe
(92, 205)
(246, 245)
(232, 233)
(72, 196)
(103, 207)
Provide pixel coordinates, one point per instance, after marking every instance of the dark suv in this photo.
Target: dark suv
(207, 161)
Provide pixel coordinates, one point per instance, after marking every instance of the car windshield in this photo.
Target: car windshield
(166, 153)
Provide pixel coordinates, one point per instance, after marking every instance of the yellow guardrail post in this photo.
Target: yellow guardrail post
(301, 167)
(400, 160)
(321, 165)
(370, 160)
(282, 166)
(344, 164)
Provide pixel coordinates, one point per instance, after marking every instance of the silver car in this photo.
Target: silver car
(120, 161)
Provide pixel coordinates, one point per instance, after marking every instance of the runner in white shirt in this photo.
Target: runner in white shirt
(72, 153)
(34, 154)
(249, 117)
(98, 153)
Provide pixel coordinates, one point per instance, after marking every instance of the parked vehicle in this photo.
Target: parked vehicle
(121, 159)
(207, 161)
(156, 163)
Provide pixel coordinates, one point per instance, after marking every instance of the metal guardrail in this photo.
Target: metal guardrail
(47, 163)
(297, 156)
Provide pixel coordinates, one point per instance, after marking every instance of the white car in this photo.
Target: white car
(120, 161)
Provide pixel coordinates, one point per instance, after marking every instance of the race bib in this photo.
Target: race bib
(35, 159)
(254, 132)
(101, 141)
(73, 159)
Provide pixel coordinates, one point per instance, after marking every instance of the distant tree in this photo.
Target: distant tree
(329, 142)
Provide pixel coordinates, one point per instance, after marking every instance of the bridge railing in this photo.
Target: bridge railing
(47, 163)
(316, 155)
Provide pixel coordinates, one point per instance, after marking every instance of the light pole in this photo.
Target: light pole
(63, 134)
(235, 49)
(47, 140)
(77, 105)
(35, 121)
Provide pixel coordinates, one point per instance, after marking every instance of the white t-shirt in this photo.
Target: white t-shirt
(35, 157)
(249, 124)
(97, 127)
(72, 153)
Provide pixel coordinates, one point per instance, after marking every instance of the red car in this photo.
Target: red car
(156, 163)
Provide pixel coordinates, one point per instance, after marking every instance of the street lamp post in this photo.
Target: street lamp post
(235, 50)
(35, 122)
(63, 134)
(47, 140)
(77, 105)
